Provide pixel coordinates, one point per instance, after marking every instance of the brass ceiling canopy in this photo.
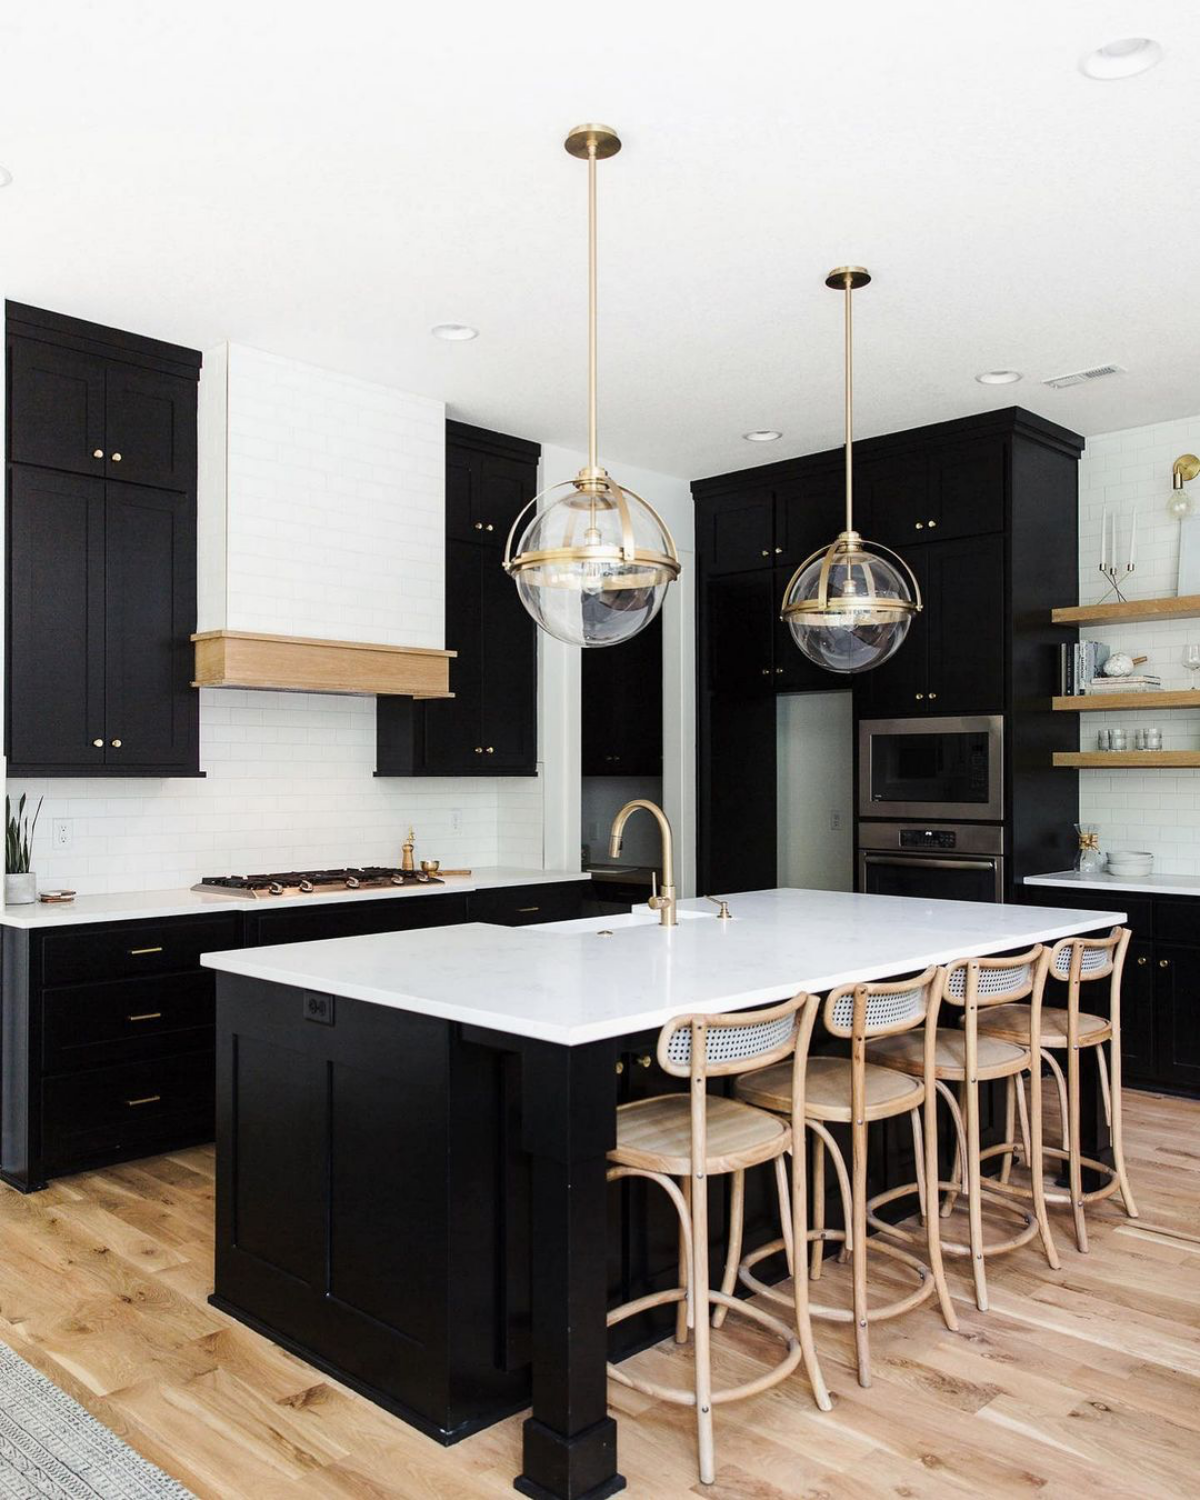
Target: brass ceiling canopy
(593, 566)
(849, 606)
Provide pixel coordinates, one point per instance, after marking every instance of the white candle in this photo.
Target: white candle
(1104, 537)
(1132, 537)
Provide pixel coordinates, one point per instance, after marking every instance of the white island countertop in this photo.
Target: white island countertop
(130, 906)
(569, 983)
(1146, 885)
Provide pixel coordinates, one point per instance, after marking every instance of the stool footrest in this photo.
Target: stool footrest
(838, 1314)
(949, 1247)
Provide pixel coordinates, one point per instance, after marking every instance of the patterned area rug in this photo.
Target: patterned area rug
(52, 1449)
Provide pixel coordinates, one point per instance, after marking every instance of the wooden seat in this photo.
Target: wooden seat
(981, 987)
(657, 1134)
(679, 1142)
(827, 1089)
(997, 1058)
(1012, 1023)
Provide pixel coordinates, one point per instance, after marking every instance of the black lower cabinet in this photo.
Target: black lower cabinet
(1177, 1015)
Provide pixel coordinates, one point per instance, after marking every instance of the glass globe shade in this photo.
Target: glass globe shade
(866, 613)
(1180, 505)
(594, 566)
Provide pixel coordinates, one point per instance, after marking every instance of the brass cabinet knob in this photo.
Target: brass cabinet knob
(932, 696)
(778, 550)
(97, 452)
(99, 744)
(490, 751)
(1143, 960)
(478, 525)
(116, 458)
(765, 552)
(920, 697)
(1164, 963)
(620, 1067)
(932, 525)
(920, 526)
(645, 1060)
(478, 749)
(779, 671)
(766, 671)
(489, 527)
(116, 744)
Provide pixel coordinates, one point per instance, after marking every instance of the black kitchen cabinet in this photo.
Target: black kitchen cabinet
(489, 727)
(1139, 1047)
(621, 706)
(736, 533)
(935, 493)
(101, 573)
(1177, 1014)
(523, 905)
(740, 611)
(339, 919)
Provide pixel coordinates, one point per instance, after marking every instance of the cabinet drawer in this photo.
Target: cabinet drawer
(131, 1110)
(87, 1026)
(135, 948)
(518, 906)
(1174, 921)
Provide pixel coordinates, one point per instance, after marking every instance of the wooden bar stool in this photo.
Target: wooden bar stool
(1079, 961)
(852, 1091)
(967, 1058)
(692, 1137)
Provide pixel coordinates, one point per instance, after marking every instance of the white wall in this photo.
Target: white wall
(1130, 472)
(559, 683)
(814, 775)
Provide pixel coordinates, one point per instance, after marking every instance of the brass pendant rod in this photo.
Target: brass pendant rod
(592, 306)
(849, 281)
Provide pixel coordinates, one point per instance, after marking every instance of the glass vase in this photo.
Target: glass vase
(1089, 860)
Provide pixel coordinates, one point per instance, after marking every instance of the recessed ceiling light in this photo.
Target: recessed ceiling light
(762, 435)
(1124, 59)
(454, 332)
(999, 377)
(5, 177)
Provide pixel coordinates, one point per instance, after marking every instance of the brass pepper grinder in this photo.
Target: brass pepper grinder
(406, 863)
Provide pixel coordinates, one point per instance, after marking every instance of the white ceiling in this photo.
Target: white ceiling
(328, 181)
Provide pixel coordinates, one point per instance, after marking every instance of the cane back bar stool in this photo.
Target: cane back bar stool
(692, 1137)
(852, 1091)
(967, 1058)
(1079, 961)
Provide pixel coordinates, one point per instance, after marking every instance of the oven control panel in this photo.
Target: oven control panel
(928, 838)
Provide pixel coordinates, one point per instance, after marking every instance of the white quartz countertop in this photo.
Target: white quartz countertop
(1148, 885)
(132, 905)
(568, 983)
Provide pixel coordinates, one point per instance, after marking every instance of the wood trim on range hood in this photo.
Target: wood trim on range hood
(292, 663)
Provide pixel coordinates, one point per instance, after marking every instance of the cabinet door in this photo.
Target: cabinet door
(150, 612)
(1137, 1014)
(900, 687)
(892, 501)
(735, 533)
(452, 737)
(793, 672)
(485, 493)
(741, 633)
(1177, 1015)
(621, 706)
(55, 622)
(809, 513)
(508, 705)
(964, 587)
(56, 408)
(967, 485)
(150, 427)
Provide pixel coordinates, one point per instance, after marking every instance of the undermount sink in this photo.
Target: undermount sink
(639, 917)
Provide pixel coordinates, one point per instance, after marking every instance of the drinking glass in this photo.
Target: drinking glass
(1191, 660)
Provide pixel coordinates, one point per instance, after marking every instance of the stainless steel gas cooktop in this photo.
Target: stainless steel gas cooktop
(313, 882)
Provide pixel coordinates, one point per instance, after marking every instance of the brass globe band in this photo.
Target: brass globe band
(848, 545)
(611, 496)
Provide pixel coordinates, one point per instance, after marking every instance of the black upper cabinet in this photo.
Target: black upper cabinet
(739, 619)
(736, 532)
(101, 570)
(934, 494)
(891, 499)
(489, 727)
(622, 706)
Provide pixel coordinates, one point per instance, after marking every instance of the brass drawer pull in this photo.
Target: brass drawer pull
(134, 952)
(148, 1015)
(149, 1099)
(529, 908)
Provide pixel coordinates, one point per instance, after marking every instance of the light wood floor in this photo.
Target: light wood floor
(1084, 1381)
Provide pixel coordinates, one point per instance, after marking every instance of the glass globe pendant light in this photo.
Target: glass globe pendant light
(849, 605)
(593, 566)
(1184, 469)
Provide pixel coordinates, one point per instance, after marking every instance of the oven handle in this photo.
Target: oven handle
(988, 861)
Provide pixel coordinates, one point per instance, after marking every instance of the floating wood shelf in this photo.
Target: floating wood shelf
(244, 659)
(1082, 703)
(1185, 607)
(1115, 759)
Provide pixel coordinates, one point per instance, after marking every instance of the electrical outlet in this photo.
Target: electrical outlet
(835, 820)
(63, 833)
(456, 820)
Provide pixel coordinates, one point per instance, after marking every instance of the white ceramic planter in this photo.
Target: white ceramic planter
(20, 890)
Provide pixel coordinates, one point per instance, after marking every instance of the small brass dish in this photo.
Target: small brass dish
(431, 866)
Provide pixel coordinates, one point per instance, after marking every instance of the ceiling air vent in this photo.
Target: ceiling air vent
(1081, 377)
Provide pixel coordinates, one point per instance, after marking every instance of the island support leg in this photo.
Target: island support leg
(569, 1125)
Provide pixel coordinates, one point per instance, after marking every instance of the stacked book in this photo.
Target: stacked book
(1079, 666)
(1138, 682)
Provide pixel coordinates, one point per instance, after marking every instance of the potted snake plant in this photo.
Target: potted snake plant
(20, 884)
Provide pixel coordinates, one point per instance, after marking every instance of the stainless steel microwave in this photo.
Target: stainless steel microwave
(945, 768)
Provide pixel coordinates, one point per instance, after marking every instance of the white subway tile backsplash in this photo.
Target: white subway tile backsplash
(1130, 474)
